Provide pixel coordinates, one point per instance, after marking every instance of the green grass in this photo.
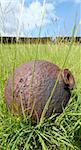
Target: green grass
(17, 133)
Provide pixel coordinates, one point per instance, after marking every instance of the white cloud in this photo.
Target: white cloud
(80, 22)
(17, 19)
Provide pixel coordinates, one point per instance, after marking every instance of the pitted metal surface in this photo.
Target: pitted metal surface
(32, 83)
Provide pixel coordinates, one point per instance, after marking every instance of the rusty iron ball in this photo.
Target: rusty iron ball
(31, 84)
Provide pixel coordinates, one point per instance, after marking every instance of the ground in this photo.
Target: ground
(19, 132)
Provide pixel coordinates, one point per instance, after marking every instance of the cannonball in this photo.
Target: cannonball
(30, 85)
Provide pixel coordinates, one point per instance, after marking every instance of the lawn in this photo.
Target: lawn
(19, 133)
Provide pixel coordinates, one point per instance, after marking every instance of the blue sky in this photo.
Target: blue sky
(34, 18)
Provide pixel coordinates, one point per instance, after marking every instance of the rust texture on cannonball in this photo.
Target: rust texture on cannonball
(31, 85)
